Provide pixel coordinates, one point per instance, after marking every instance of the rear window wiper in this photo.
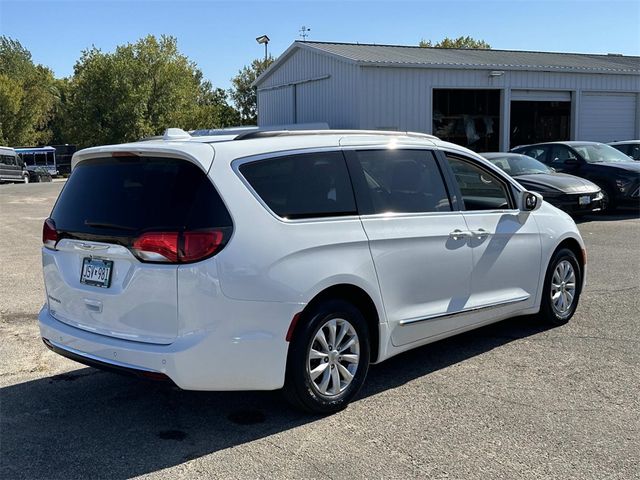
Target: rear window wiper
(112, 226)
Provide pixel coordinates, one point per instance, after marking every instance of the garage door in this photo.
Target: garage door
(607, 117)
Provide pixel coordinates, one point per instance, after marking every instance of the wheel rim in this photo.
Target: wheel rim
(563, 288)
(333, 357)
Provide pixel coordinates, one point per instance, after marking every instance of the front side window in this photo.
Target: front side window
(402, 181)
(303, 186)
(539, 153)
(480, 189)
(561, 155)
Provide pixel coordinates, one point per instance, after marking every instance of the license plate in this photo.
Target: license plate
(96, 272)
(584, 200)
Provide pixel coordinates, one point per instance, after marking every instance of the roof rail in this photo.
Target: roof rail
(287, 133)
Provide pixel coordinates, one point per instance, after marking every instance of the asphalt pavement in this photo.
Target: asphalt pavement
(515, 400)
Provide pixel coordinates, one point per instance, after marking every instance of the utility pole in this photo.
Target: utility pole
(303, 32)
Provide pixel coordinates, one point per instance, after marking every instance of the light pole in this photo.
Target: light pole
(263, 39)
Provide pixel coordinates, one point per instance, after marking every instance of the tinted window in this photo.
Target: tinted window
(539, 153)
(303, 186)
(480, 189)
(560, 155)
(402, 181)
(123, 196)
(7, 160)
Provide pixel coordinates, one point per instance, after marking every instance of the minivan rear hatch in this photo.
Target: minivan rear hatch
(120, 228)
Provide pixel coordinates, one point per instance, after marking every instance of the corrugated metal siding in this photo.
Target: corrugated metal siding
(333, 100)
(277, 106)
(401, 96)
(607, 117)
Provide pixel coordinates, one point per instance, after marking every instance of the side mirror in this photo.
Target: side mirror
(530, 201)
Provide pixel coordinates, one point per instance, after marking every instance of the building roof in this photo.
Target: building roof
(414, 56)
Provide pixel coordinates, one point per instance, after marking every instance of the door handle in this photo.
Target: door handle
(458, 234)
(481, 233)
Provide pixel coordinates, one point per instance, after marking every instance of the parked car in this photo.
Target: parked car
(39, 174)
(572, 194)
(616, 174)
(630, 148)
(264, 262)
(12, 168)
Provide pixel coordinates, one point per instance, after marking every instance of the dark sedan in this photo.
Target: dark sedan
(572, 194)
(615, 173)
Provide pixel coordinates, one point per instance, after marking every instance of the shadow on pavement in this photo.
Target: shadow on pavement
(92, 424)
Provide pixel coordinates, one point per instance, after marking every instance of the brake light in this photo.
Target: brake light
(157, 246)
(49, 234)
(198, 245)
(177, 247)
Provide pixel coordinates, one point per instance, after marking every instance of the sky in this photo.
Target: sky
(220, 35)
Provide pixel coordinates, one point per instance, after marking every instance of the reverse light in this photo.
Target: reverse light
(177, 247)
(49, 234)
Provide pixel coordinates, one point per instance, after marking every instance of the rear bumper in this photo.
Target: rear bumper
(207, 360)
(111, 366)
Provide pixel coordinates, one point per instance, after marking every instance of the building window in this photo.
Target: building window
(470, 118)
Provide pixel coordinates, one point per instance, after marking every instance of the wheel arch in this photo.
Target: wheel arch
(361, 300)
(573, 245)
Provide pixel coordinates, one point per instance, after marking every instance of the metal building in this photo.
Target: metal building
(483, 99)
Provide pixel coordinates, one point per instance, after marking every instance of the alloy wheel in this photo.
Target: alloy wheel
(563, 288)
(333, 357)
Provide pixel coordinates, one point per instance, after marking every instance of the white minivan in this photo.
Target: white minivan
(292, 259)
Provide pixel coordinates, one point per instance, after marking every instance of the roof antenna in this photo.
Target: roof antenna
(303, 32)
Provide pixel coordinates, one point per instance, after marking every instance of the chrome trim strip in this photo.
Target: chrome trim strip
(412, 321)
(100, 359)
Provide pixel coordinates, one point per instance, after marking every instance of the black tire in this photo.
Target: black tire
(299, 388)
(548, 312)
(608, 201)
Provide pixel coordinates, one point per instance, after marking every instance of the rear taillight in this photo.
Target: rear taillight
(157, 246)
(197, 245)
(49, 234)
(177, 247)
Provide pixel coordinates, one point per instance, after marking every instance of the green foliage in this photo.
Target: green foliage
(138, 91)
(27, 96)
(460, 42)
(243, 93)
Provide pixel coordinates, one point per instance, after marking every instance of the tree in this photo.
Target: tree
(138, 91)
(27, 96)
(460, 42)
(243, 93)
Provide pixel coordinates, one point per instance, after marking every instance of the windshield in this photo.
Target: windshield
(519, 165)
(600, 153)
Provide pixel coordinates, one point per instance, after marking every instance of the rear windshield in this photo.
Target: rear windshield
(124, 196)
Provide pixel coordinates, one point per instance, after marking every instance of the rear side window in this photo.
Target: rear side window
(124, 196)
(402, 181)
(303, 186)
